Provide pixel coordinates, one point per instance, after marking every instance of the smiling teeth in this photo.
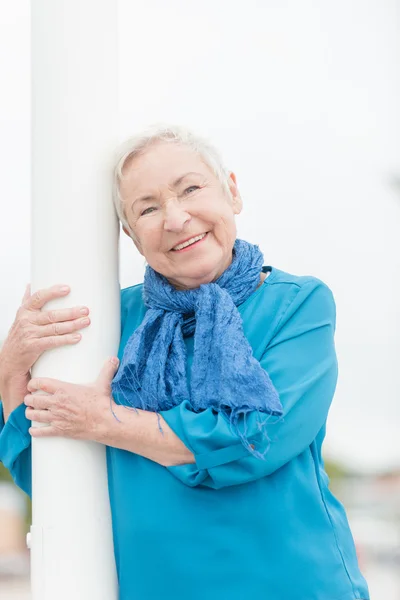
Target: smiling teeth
(189, 242)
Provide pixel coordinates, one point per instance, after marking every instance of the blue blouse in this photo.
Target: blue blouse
(232, 526)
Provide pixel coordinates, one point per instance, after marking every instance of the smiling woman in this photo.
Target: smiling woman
(215, 418)
(172, 195)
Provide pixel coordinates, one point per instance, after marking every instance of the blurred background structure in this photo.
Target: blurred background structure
(302, 98)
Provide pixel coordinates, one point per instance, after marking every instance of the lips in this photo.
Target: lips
(192, 237)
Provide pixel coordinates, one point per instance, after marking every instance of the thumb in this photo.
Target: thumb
(108, 371)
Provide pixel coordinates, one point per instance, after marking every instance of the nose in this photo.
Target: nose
(175, 217)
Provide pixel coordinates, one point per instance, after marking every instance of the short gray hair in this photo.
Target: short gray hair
(163, 133)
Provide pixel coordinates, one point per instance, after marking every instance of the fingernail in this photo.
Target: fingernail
(64, 289)
(115, 361)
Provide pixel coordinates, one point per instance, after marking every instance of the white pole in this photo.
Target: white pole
(74, 241)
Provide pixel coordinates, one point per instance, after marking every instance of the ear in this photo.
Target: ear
(237, 203)
(136, 242)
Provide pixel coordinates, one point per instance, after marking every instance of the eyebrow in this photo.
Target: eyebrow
(174, 184)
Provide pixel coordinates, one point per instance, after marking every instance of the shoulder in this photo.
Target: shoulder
(277, 276)
(289, 283)
(132, 301)
(132, 294)
(299, 298)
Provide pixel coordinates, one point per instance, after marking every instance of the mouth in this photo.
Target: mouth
(192, 243)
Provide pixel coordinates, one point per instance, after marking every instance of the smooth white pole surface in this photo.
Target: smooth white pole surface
(74, 241)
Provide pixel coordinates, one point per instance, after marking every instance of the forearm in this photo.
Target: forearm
(12, 393)
(139, 432)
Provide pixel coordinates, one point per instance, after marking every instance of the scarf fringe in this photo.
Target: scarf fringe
(237, 415)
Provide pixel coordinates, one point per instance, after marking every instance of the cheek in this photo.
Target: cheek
(225, 220)
(215, 215)
(229, 229)
(149, 237)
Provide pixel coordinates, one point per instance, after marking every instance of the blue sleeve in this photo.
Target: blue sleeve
(301, 362)
(15, 447)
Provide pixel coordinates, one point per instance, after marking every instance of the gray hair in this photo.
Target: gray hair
(163, 133)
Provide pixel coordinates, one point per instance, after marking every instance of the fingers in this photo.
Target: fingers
(40, 432)
(38, 406)
(37, 300)
(50, 342)
(46, 384)
(108, 371)
(35, 331)
(38, 416)
(64, 328)
(46, 337)
(61, 322)
(60, 315)
(39, 401)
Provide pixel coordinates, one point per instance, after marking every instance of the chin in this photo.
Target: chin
(199, 275)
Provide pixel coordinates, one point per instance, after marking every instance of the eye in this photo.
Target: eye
(145, 211)
(191, 188)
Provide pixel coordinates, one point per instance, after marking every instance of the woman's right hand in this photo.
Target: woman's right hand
(36, 330)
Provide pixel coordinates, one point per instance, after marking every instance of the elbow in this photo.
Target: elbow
(181, 459)
(188, 474)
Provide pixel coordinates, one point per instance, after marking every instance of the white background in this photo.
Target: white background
(302, 100)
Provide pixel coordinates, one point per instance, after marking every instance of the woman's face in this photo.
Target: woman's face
(171, 195)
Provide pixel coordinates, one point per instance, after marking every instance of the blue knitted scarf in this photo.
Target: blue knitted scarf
(225, 376)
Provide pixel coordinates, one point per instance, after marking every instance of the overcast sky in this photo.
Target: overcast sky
(302, 99)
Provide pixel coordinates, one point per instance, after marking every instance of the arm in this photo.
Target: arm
(12, 388)
(33, 332)
(15, 450)
(200, 448)
(301, 361)
(15, 447)
(138, 431)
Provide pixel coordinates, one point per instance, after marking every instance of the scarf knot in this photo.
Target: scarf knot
(225, 376)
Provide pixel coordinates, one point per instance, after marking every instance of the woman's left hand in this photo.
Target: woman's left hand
(70, 410)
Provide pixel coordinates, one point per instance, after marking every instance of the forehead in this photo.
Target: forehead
(161, 164)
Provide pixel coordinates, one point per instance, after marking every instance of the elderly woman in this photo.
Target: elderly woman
(218, 408)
